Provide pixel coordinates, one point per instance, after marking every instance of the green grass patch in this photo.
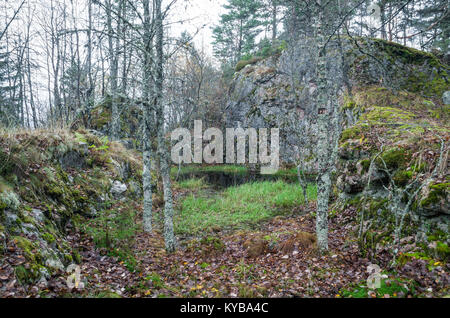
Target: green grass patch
(391, 287)
(191, 184)
(239, 206)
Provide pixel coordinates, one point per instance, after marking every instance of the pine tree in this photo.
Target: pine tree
(234, 37)
(433, 17)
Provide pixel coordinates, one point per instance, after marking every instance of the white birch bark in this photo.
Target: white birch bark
(169, 236)
(113, 65)
(147, 112)
(323, 178)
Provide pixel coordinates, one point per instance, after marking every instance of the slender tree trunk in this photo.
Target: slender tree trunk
(323, 179)
(30, 85)
(383, 19)
(113, 65)
(147, 113)
(90, 96)
(274, 21)
(169, 236)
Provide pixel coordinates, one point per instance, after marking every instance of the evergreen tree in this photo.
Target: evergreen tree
(433, 18)
(234, 37)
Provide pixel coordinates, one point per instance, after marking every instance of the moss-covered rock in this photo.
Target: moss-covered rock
(42, 196)
(435, 198)
(100, 117)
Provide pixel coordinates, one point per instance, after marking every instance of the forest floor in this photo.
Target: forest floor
(271, 257)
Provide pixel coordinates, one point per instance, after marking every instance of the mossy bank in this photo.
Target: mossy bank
(52, 183)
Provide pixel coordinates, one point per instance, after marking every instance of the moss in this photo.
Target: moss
(22, 274)
(393, 289)
(365, 164)
(76, 256)
(49, 238)
(437, 235)
(443, 250)
(54, 190)
(108, 294)
(241, 64)
(394, 158)
(29, 249)
(436, 194)
(27, 219)
(348, 103)
(402, 177)
(420, 82)
(354, 132)
(387, 114)
(68, 258)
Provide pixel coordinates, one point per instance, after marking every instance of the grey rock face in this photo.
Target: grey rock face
(279, 92)
(118, 188)
(446, 98)
(10, 218)
(72, 159)
(38, 215)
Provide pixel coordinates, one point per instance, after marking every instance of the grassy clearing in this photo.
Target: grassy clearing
(239, 206)
(191, 184)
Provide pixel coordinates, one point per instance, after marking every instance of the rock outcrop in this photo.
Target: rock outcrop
(278, 91)
(51, 184)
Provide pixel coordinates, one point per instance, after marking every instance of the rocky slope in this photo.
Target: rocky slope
(51, 182)
(277, 92)
(394, 154)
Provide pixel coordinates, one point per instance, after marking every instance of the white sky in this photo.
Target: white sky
(198, 14)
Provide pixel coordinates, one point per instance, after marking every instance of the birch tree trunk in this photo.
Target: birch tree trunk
(147, 113)
(90, 96)
(323, 178)
(113, 65)
(169, 236)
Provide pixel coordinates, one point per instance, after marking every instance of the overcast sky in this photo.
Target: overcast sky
(200, 14)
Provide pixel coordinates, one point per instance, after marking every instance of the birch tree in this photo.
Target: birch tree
(113, 44)
(147, 118)
(330, 79)
(323, 111)
(169, 236)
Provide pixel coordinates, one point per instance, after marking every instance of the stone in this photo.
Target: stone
(10, 218)
(37, 215)
(279, 92)
(118, 188)
(72, 159)
(123, 169)
(127, 143)
(446, 98)
(29, 229)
